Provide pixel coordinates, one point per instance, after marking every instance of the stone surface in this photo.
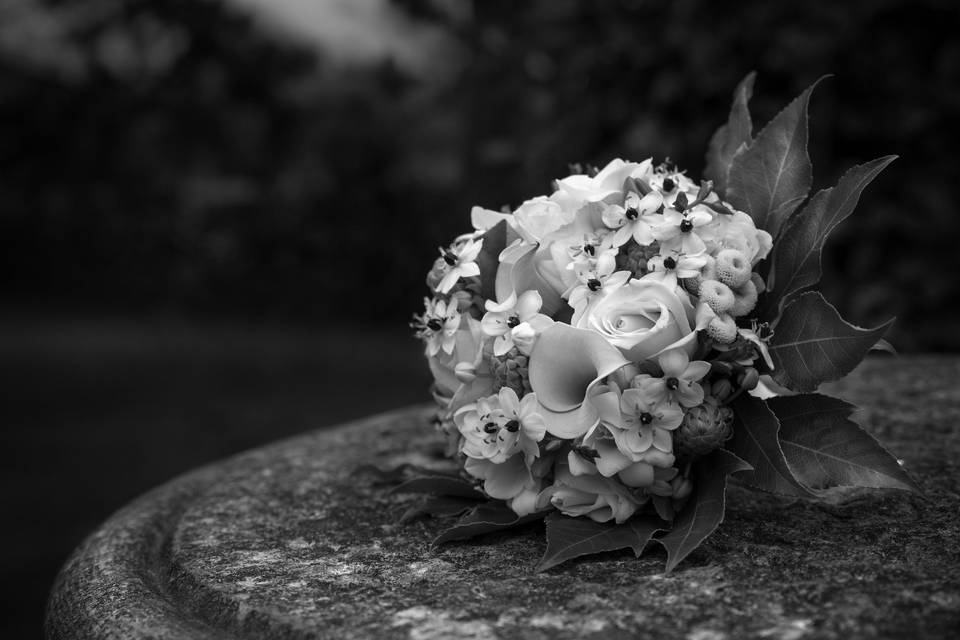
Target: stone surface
(289, 542)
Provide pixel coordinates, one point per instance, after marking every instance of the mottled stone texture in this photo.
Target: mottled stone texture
(284, 542)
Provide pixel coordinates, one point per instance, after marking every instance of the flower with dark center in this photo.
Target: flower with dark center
(491, 427)
(669, 263)
(513, 426)
(673, 384)
(632, 214)
(450, 258)
(513, 321)
(589, 249)
(668, 185)
(434, 325)
(686, 226)
(646, 418)
(593, 284)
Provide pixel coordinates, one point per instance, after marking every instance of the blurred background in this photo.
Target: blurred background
(216, 215)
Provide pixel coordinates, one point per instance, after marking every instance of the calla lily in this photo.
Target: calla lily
(566, 366)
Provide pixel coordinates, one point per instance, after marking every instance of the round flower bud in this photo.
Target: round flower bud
(717, 295)
(745, 299)
(465, 372)
(705, 427)
(721, 389)
(733, 268)
(639, 474)
(723, 329)
(749, 379)
(682, 487)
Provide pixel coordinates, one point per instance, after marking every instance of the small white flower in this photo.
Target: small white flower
(670, 266)
(595, 280)
(636, 219)
(514, 322)
(678, 231)
(498, 427)
(438, 325)
(460, 262)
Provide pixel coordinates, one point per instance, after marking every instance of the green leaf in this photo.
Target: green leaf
(812, 344)
(494, 241)
(399, 473)
(440, 485)
(569, 538)
(439, 507)
(731, 136)
(796, 255)
(825, 448)
(771, 178)
(486, 518)
(703, 512)
(754, 440)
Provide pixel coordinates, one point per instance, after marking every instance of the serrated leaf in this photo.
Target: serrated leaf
(796, 255)
(440, 485)
(438, 507)
(569, 538)
(703, 512)
(825, 448)
(771, 178)
(486, 518)
(730, 136)
(494, 242)
(755, 429)
(812, 344)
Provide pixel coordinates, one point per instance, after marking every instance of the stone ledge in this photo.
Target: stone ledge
(284, 542)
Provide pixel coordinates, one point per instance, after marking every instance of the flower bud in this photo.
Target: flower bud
(639, 474)
(749, 379)
(721, 389)
(705, 427)
(723, 329)
(733, 268)
(717, 296)
(682, 487)
(745, 299)
(465, 372)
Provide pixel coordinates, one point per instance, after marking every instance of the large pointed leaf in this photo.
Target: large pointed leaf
(755, 430)
(825, 448)
(494, 241)
(703, 512)
(569, 538)
(486, 518)
(439, 507)
(812, 344)
(796, 256)
(771, 178)
(731, 136)
(400, 472)
(440, 485)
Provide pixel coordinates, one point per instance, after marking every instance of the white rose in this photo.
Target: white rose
(539, 217)
(643, 318)
(598, 498)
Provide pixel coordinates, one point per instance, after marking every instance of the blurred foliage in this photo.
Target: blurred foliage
(177, 155)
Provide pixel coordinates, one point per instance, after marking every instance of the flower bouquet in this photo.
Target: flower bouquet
(606, 356)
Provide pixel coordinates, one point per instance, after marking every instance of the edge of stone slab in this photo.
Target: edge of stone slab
(116, 583)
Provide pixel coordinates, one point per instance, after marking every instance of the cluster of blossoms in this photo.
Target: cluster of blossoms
(586, 347)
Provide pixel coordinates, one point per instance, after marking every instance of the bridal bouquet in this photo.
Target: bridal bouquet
(605, 356)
